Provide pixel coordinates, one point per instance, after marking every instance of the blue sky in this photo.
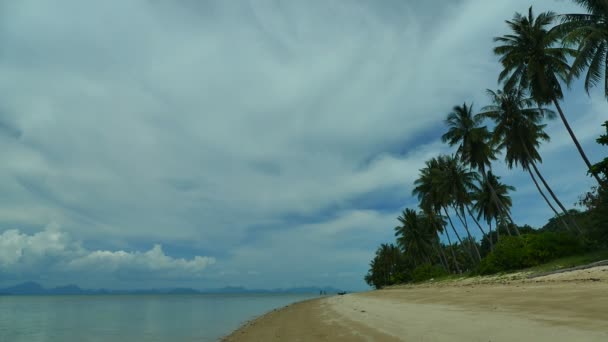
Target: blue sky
(256, 143)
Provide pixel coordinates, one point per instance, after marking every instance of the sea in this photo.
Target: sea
(122, 318)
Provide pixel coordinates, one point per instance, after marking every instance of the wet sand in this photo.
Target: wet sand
(569, 306)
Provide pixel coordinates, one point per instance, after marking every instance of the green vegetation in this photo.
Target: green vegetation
(530, 250)
(461, 188)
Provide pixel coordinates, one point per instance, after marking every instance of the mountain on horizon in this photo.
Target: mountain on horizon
(33, 288)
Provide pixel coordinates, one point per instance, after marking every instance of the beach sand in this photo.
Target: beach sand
(570, 306)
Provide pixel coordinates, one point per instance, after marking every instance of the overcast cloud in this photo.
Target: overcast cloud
(261, 143)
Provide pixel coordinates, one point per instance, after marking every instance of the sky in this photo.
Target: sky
(263, 144)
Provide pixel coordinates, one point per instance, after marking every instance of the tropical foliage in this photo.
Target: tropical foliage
(459, 195)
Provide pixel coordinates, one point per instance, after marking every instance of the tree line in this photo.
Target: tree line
(541, 55)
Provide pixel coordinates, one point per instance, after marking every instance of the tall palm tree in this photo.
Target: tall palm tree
(384, 266)
(414, 236)
(588, 32)
(436, 224)
(437, 221)
(519, 131)
(431, 199)
(461, 122)
(455, 183)
(534, 60)
(486, 206)
(475, 148)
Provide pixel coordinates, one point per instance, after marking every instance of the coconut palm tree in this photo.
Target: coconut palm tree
(384, 266)
(519, 131)
(431, 199)
(474, 143)
(588, 32)
(438, 222)
(455, 182)
(534, 60)
(414, 236)
(461, 122)
(486, 206)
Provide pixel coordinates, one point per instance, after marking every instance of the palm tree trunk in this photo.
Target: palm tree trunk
(506, 227)
(501, 207)
(439, 251)
(427, 259)
(491, 236)
(546, 199)
(531, 162)
(578, 145)
(453, 253)
(466, 227)
(456, 233)
(559, 203)
(486, 236)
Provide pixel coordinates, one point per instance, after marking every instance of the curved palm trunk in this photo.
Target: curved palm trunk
(492, 237)
(559, 203)
(442, 258)
(501, 207)
(578, 145)
(506, 227)
(486, 236)
(546, 199)
(453, 253)
(456, 233)
(471, 240)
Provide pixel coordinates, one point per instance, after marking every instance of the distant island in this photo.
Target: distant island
(33, 288)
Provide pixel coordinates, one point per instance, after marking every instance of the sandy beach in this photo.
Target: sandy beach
(570, 306)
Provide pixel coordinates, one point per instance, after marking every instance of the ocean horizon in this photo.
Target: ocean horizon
(158, 317)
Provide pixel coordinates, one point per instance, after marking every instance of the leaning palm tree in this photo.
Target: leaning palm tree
(534, 60)
(588, 32)
(487, 207)
(474, 143)
(438, 223)
(415, 237)
(431, 199)
(519, 131)
(461, 122)
(455, 182)
(384, 266)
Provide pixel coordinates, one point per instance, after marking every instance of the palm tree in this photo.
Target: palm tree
(384, 266)
(437, 221)
(461, 123)
(589, 33)
(431, 199)
(436, 224)
(414, 236)
(487, 207)
(475, 148)
(518, 130)
(533, 60)
(455, 183)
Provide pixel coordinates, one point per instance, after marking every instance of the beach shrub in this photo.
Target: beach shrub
(510, 253)
(428, 271)
(488, 265)
(548, 246)
(513, 253)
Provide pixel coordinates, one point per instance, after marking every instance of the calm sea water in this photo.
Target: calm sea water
(121, 318)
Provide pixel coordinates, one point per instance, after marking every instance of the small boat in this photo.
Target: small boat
(341, 293)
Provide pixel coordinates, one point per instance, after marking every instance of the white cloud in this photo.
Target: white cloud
(52, 252)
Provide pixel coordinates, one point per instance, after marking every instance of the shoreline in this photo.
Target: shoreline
(568, 306)
(254, 321)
